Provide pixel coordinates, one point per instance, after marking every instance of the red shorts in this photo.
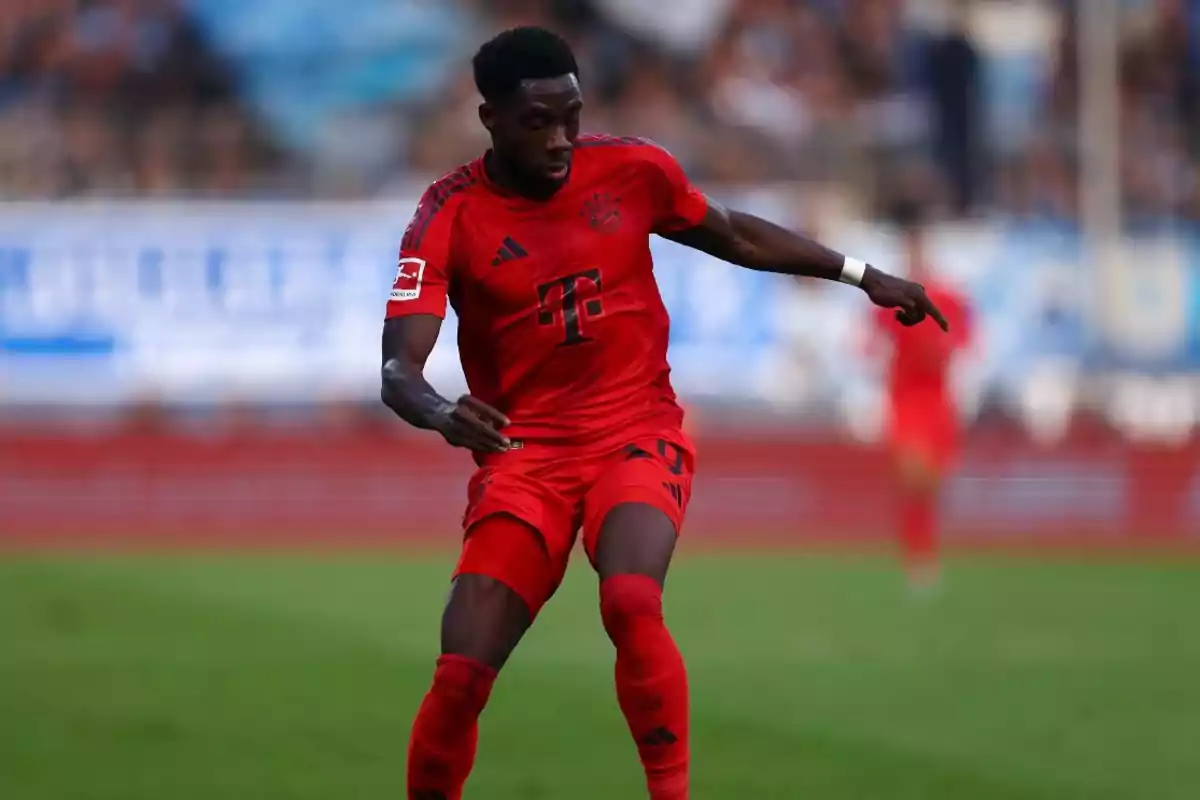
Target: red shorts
(928, 430)
(554, 499)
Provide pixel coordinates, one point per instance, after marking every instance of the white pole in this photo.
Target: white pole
(1099, 144)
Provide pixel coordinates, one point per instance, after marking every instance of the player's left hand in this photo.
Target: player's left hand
(909, 298)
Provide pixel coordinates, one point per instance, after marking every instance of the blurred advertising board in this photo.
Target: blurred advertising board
(1148, 320)
(282, 302)
(270, 302)
(1092, 489)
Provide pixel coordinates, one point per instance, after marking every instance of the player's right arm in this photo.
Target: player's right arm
(415, 310)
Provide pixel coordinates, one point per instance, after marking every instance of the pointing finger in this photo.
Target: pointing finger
(933, 311)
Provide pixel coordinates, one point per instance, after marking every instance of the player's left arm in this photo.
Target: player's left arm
(748, 241)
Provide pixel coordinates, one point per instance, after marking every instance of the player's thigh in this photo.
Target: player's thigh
(634, 512)
(484, 620)
(517, 539)
(503, 577)
(519, 530)
(634, 539)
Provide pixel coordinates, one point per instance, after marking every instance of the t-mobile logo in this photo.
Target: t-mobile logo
(570, 301)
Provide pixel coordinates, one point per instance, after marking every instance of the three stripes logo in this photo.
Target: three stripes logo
(676, 492)
(509, 251)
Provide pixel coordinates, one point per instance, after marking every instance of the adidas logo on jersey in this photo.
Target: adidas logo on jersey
(509, 251)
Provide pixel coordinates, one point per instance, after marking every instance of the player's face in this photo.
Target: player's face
(535, 130)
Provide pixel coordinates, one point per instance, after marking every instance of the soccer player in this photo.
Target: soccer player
(542, 248)
(923, 428)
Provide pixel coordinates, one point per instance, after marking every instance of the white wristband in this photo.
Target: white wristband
(853, 271)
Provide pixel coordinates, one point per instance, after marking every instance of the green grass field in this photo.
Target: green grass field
(276, 677)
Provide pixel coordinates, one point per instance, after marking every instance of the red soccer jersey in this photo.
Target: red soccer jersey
(561, 324)
(922, 354)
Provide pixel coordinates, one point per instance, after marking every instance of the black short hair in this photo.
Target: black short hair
(521, 54)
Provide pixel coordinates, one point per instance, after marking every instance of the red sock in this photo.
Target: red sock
(441, 751)
(918, 529)
(651, 681)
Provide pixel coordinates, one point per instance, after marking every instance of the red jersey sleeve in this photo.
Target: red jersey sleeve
(679, 204)
(424, 264)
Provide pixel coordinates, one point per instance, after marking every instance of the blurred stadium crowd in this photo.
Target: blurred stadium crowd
(280, 98)
(119, 99)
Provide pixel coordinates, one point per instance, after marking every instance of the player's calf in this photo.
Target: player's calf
(633, 552)
(919, 479)
(445, 735)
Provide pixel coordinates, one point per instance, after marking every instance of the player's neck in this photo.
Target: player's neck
(502, 176)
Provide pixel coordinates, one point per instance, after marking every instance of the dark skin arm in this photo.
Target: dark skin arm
(754, 243)
(469, 423)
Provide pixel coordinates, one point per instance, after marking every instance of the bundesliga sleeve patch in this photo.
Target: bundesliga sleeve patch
(409, 273)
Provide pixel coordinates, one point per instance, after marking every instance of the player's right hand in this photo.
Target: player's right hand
(909, 299)
(473, 424)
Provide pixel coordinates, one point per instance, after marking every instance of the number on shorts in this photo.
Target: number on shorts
(672, 454)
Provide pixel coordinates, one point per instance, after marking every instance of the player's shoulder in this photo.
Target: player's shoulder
(610, 140)
(627, 149)
(454, 185)
(440, 201)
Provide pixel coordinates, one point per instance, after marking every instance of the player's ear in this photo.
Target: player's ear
(487, 116)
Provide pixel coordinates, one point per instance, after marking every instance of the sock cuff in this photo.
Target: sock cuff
(464, 682)
(631, 595)
(465, 668)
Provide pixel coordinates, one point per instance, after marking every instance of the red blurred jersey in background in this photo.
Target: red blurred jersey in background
(922, 415)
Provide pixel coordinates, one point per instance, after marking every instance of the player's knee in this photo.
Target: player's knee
(484, 620)
(463, 684)
(628, 600)
(918, 472)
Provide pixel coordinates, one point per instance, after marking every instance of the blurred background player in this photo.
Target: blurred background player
(922, 418)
